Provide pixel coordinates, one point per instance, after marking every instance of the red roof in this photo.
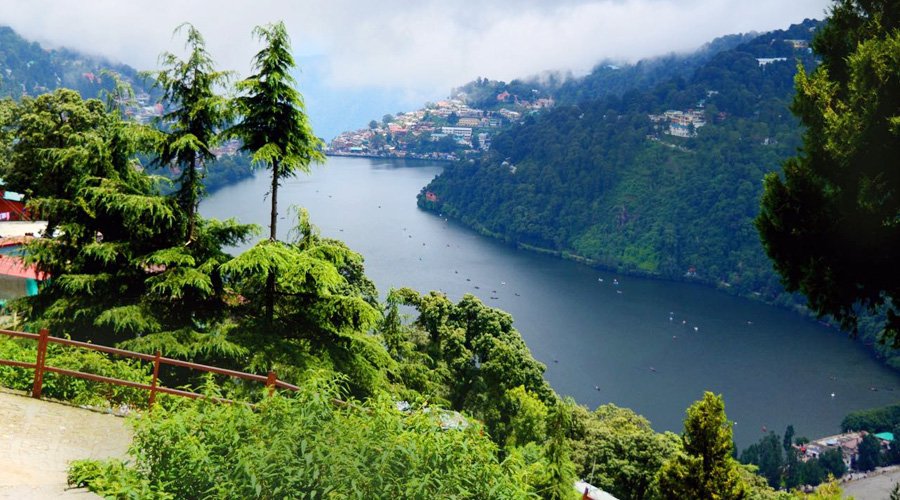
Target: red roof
(13, 266)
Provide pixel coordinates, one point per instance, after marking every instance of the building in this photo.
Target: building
(848, 443)
(468, 122)
(681, 123)
(12, 207)
(464, 133)
(762, 61)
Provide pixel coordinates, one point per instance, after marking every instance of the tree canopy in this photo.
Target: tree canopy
(195, 116)
(705, 468)
(273, 125)
(831, 223)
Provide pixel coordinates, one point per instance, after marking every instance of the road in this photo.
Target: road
(39, 438)
(876, 485)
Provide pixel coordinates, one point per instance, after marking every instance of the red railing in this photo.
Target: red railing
(40, 367)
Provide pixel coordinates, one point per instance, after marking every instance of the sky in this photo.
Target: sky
(399, 54)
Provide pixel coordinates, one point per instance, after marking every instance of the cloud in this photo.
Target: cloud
(427, 44)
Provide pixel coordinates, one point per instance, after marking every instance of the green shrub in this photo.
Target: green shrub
(76, 390)
(306, 446)
(114, 478)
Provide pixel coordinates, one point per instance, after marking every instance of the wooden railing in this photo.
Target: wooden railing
(40, 367)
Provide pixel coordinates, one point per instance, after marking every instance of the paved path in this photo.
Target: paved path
(39, 438)
(875, 486)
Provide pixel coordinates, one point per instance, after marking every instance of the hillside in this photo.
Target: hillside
(607, 179)
(26, 68)
(663, 182)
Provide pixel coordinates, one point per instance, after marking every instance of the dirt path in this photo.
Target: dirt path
(39, 438)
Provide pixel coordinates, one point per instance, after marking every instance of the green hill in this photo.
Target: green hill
(617, 182)
(26, 68)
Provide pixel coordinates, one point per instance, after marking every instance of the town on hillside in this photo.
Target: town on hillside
(461, 126)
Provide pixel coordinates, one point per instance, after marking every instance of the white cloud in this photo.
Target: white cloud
(399, 44)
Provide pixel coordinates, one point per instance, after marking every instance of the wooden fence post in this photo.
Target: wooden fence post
(153, 383)
(39, 363)
(270, 382)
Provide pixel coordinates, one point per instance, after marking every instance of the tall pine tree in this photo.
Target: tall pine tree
(273, 125)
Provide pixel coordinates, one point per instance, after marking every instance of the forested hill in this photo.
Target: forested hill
(26, 68)
(606, 181)
(612, 78)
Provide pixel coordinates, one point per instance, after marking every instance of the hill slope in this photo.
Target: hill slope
(26, 68)
(620, 182)
(603, 180)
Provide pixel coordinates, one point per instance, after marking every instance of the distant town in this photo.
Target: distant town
(445, 130)
(457, 127)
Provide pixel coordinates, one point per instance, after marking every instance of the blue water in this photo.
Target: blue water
(773, 367)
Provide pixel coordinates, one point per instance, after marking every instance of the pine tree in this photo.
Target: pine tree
(273, 124)
(195, 115)
(705, 469)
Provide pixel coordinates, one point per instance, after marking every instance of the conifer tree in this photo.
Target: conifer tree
(273, 125)
(705, 470)
(114, 247)
(831, 222)
(196, 113)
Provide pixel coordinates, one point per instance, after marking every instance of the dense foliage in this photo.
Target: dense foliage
(26, 68)
(874, 420)
(831, 223)
(612, 78)
(589, 180)
(617, 450)
(305, 447)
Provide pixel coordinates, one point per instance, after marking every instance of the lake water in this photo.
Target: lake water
(653, 346)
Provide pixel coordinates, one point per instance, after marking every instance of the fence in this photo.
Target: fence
(40, 367)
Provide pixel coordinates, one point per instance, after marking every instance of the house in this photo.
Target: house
(762, 61)
(464, 133)
(848, 443)
(798, 44)
(591, 492)
(18, 279)
(12, 206)
(510, 115)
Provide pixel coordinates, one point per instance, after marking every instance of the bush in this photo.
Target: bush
(75, 390)
(308, 446)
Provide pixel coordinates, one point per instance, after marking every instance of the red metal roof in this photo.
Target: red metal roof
(13, 266)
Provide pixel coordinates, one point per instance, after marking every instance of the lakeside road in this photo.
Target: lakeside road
(876, 485)
(39, 438)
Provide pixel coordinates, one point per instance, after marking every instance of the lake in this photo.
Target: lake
(650, 345)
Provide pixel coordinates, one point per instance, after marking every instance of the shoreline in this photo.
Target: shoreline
(386, 157)
(798, 309)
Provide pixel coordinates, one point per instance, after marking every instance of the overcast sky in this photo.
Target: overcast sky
(413, 43)
(415, 47)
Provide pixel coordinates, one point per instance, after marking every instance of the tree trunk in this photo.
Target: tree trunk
(273, 222)
(192, 198)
